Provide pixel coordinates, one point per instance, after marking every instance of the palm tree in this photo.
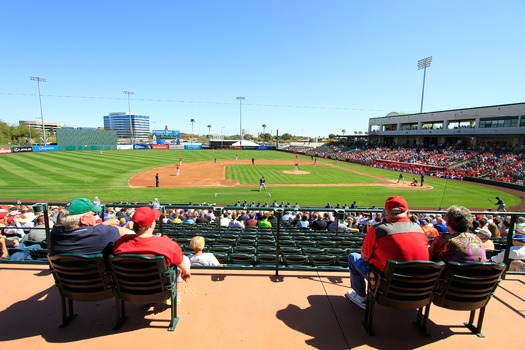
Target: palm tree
(264, 130)
(343, 131)
(209, 129)
(192, 121)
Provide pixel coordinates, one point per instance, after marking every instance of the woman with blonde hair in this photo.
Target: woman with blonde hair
(199, 258)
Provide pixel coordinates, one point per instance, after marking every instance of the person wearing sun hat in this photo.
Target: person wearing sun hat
(77, 231)
(517, 252)
(144, 242)
(398, 238)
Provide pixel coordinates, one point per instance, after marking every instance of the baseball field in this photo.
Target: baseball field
(215, 176)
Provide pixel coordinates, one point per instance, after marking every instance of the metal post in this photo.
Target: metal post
(278, 214)
(38, 80)
(129, 93)
(240, 98)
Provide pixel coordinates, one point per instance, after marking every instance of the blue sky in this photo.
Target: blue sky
(304, 67)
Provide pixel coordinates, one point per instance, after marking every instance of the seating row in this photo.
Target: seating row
(125, 278)
(418, 284)
(288, 261)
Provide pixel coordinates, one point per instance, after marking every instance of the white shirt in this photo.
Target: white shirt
(516, 253)
(206, 259)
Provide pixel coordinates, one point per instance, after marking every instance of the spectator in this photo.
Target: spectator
(144, 242)
(202, 218)
(251, 220)
(440, 225)
(235, 222)
(484, 234)
(458, 244)
(398, 239)
(199, 258)
(429, 230)
(76, 230)
(38, 232)
(3, 247)
(225, 220)
(517, 253)
(318, 223)
(263, 222)
(303, 224)
(493, 229)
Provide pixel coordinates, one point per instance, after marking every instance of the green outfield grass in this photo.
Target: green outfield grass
(60, 176)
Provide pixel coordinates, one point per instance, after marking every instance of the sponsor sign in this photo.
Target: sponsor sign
(176, 146)
(192, 147)
(45, 148)
(5, 150)
(22, 149)
(161, 147)
(166, 134)
(263, 148)
(141, 146)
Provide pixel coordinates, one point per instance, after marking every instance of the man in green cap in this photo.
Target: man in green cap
(77, 230)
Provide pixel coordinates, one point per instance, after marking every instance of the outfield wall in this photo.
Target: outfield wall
(86, 139)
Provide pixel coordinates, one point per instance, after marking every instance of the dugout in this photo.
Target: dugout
(85, 139)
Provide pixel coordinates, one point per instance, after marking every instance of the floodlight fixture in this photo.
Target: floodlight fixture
(423, 63)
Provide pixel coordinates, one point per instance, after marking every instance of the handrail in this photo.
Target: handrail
(278, 212)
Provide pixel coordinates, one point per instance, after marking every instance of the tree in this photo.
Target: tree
(209, 129)
(343, 131)
(266, 136)
(286, 136)
(192, 121)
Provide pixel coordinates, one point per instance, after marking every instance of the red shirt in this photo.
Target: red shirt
(149, 246)
(401, 240)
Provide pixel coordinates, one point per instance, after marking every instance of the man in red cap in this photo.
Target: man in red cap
(397, 239)
(144, 242)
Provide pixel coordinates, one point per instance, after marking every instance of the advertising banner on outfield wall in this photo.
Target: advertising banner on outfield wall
(45, 148)
(192, 147)
(5, 150)
(262, 148)
(22, 149)
(176, 146)
(159, 147)
(141, 146)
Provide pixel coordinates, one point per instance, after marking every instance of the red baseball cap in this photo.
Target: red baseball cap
(144, 216)
(396, 205)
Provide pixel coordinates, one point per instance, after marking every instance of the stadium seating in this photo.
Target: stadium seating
(469, 287)
(403, 285)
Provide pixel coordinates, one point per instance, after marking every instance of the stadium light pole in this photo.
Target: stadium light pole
(240, 98)
(43, 80)
(423, 63)
(129, 93)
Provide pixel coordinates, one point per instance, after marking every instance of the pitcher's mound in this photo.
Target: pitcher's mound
(298, 172)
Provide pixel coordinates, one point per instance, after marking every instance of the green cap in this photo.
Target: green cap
(81, 206)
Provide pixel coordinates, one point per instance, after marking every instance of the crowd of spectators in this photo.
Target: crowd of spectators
(505, 165)
(17, 227)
